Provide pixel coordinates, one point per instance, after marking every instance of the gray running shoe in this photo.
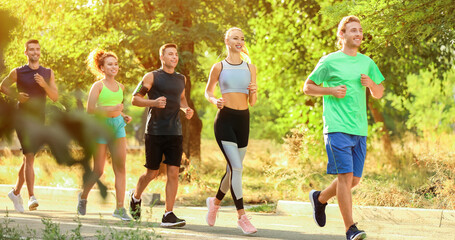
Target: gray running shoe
(17, 201)
(81, 205)
(121, 213)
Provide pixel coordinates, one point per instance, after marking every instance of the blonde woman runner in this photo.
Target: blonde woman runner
(237, 80)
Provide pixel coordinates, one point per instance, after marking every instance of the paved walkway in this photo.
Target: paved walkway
(61, 209)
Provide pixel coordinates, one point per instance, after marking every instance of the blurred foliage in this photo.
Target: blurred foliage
(430, 103)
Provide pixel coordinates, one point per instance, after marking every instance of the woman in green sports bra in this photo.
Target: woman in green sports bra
(106, 97)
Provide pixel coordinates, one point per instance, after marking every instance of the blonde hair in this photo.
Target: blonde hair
(245, 55)
(342, 27)
(96, 59)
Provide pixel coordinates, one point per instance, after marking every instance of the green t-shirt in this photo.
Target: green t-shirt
(348, 114)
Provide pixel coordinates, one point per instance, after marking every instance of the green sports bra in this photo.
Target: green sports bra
(110, 98)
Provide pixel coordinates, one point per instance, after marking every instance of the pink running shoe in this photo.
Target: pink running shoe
(213, 209)
(245, 224)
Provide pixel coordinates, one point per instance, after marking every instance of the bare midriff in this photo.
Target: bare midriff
(113, 114)
(237, 101)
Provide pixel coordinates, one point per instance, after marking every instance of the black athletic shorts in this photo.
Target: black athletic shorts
(157, 145)
(29, 142)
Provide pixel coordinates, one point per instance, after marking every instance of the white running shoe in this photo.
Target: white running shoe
(32, 203)
(17, 200)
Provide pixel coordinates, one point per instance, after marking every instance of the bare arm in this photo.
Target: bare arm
(312, 89)
(50, 88)
(252, 96)
(5, 88)
(93, 97)
(139, 100)
(376, 90)
(127, 118)
(211, 84)
(184, 105)
(7, 82)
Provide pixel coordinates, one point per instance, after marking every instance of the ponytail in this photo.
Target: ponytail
(245, 55)
(96, 59)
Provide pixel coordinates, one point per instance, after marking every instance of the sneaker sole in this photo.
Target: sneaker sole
(360, 236)
(171, 225)
(121, 218)
(247, 233)
(33, 207)
(312, 205)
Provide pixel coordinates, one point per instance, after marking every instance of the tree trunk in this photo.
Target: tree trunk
(191, 128)
(378, 117)
(139, 132)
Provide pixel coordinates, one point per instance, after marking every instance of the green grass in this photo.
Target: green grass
(11, 231)
(264, 208)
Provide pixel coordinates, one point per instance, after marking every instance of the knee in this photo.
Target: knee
(150, 175)
(173, 175)
(237, 169)
(355, 181)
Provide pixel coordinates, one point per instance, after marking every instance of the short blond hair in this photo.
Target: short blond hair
(342, 27)
(166, 46)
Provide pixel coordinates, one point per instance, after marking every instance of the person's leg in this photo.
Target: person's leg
(143, 182)
(29, 173)
(331, 190)
(20, 178)
(172, 185)
(99, 160)
(118, 151)
(345, 198)
(225, 185)
(339, 154)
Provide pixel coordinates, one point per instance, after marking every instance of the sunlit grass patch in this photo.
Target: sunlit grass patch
(264, 208)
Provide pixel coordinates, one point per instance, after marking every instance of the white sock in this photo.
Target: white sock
(166, 213)
(135, 200)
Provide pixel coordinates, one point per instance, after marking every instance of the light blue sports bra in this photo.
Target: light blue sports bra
(234, 78)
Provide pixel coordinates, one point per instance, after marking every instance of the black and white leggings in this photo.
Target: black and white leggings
(232, 128)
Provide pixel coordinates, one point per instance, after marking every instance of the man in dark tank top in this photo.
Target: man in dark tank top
(33, 84)
(163, 135)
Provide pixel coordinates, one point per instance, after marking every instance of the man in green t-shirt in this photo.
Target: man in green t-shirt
(344, 76)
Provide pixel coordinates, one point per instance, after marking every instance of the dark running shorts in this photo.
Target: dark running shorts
(157, 145)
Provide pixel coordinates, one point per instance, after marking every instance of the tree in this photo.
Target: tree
(134, 30)
(289, 39)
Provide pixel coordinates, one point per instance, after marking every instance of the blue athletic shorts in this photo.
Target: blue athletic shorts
(346, 153)
(117, 125)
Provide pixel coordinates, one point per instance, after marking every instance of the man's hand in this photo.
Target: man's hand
(160, 102)
(338, 91)
(189, 113)
(22, 97)
(40, 80)
(366, 81)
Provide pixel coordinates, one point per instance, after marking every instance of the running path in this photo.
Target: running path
(270, 226)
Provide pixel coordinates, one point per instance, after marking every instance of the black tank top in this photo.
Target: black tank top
(26, 83)
(165, 121)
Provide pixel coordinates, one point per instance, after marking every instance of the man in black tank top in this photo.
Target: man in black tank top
(33, 83)
(165, 89)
